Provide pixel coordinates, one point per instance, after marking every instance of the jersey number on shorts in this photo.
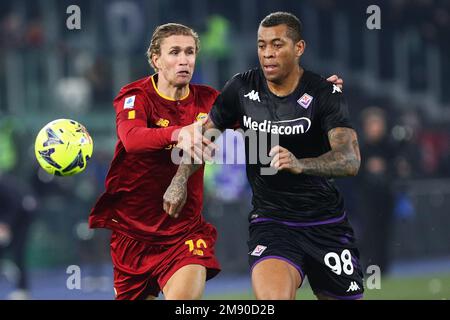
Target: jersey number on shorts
(199, 244)
(333, 261)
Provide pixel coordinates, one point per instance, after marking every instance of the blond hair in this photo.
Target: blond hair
(164, 31)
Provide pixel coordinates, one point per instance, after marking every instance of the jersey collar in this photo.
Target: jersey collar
(163, 95)
(297, 89)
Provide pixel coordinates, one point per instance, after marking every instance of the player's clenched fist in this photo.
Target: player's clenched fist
(175, 197)
(283, 159)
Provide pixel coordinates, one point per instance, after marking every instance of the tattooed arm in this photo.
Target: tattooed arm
(341, 161)
(176, 194)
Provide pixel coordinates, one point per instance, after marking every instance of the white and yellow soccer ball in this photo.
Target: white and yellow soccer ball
(63, 147)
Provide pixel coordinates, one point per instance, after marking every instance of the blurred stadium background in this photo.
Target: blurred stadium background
(395, 81)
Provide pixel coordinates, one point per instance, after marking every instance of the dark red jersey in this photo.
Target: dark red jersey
(142, 169)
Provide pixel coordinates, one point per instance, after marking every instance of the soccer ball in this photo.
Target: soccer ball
(63, 147)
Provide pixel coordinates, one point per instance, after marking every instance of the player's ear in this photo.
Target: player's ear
(300, 48)
(155, 60)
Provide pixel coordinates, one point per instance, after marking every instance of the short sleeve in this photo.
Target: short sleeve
(333, 109)
(226, 109)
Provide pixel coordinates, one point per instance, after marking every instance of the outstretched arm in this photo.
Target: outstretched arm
(342, 160)
(176, 194)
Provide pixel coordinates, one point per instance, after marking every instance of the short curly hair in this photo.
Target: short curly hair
(165, 31)
(294, 25)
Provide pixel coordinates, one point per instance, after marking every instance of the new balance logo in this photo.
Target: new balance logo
(253, 95)
(353, 287)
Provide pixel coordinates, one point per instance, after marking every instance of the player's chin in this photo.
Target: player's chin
(182, 80)
(272, 76)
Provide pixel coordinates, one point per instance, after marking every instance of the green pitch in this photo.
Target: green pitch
(430, 287)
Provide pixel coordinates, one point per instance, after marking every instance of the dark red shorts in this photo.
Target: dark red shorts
(142, 269)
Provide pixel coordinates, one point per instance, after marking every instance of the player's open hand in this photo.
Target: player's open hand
(175, 197)
(334, 79)
(193, 143)
(283, 159)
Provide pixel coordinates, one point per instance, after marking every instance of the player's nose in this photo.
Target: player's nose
(183, 60)
(268, 53)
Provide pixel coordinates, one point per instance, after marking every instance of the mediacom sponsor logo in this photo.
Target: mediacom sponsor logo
(286, 127)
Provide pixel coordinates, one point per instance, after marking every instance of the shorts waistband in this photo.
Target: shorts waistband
(301, 224)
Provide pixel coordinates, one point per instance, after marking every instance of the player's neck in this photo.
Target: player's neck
(288, 84)
(169, 91)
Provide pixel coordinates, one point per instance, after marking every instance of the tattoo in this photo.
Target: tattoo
(176, 193)
(343, 160)
(355, 145)
(184, 172)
